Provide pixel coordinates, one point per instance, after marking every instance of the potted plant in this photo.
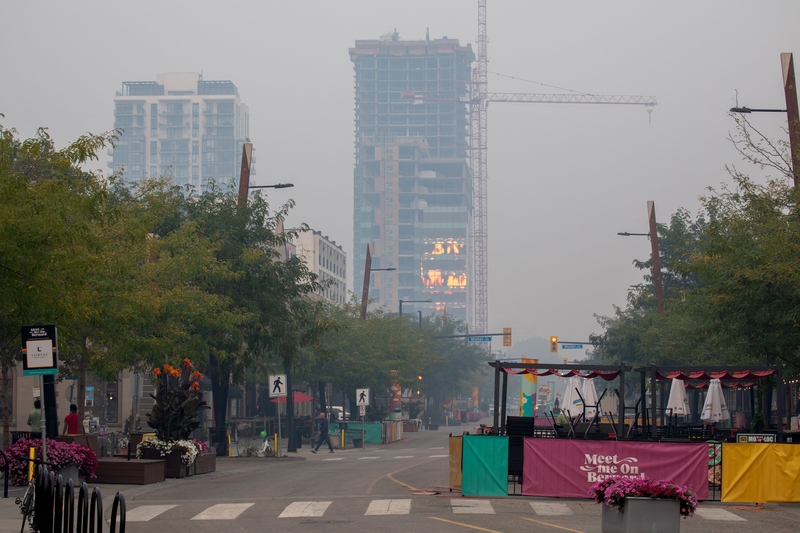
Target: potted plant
(174, 417)
(642, 504)
(72, 460)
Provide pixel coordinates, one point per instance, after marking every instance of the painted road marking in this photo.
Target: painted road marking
(334, 459)
(146, 512)
(300, 509)
(463, 506)
(223, 511)
(404, 457)
(551, 509)
(368, 458)
(380, 507)
(437, 448)
(719, 514)
(437, 456)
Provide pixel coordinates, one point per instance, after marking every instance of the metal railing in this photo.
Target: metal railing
(54, 509)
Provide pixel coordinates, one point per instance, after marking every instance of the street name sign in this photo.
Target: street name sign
(479, 339)
(571, 346)
(277, 386)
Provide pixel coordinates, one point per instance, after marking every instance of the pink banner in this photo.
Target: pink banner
(566, 468)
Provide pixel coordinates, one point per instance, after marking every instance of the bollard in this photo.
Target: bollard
(229, 445)
(32, 455)
(275, 448)
(342, 438)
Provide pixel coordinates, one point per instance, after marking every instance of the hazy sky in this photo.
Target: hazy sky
(563, 179)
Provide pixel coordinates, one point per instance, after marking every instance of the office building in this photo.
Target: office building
(180, 126)
(412, 179)
(327, 260)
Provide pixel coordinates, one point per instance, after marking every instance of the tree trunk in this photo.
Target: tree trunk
(4, 405)
(219, 391)
(323, 404)
(82, 385)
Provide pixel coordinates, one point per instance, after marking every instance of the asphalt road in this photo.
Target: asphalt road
(393, 489)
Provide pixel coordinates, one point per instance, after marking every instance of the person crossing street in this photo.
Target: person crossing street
(324, 434)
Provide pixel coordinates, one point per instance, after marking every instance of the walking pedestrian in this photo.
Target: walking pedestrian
(324, 434)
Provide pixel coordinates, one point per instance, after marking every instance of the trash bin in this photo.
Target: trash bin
(219, 440)
(358, 442)
(298, 435)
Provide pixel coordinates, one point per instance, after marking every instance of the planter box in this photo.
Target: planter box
(410, 428)
(205, 463)
(173, 467)
(643, 514)
(118, 470)
(89, 440)
(71, 472)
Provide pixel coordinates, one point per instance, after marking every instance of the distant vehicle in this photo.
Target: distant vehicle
(338, 413)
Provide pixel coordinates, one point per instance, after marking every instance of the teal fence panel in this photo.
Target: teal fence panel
(484, 465)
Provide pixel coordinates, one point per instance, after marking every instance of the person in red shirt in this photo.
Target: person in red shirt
(71, 421)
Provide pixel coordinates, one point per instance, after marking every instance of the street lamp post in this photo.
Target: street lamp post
(365, 291)
(792, 113)
(657, 280)
(412, 302)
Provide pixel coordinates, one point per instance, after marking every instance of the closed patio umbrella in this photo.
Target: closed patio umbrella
(572, 401)
(297, 397)
(678, 402)
(715, 409)
(590, 397)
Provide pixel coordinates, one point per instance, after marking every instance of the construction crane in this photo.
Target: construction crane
(478, 101)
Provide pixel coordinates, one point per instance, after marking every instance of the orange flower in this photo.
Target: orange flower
(156, 372)
(175, 373)
(197, 375)
(187, 363)
(168, 369)
(195, 386)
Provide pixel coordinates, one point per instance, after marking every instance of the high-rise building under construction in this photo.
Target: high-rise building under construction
(412, 179)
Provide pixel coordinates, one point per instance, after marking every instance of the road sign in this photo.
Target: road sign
(277, 385)
(362, 397)
(506, 336)
(571, 346)
(362, 410)
(479, 339)
(40, 349)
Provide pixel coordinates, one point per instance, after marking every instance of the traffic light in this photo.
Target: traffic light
(506, 336)
(553, 344)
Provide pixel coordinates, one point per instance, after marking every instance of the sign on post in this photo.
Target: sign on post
(362, 396)
(479, 339)
(40, 350)
(277, 386)
(362, 410)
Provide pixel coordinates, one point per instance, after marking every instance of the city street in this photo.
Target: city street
(393, 488)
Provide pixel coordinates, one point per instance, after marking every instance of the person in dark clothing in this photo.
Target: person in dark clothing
(324, 434)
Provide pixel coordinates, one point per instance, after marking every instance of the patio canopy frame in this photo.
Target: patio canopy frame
(660, 373)
(601, 371)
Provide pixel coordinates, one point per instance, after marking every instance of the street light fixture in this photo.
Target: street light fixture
(792, 113)
(413, 302)
(657, 281)
(276, 186)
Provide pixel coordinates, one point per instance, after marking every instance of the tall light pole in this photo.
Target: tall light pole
(792, 114)
(365, 291)
(657, 279)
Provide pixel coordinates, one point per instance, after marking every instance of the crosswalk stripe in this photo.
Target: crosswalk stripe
(360, 458)
(381, 507)
(463, 506)
(719, 514)
(146, 512)
(551, 509)
(437, 456)
(403, 456)
(223, 511)
(334, 459)
(436, 448)
(299, 509)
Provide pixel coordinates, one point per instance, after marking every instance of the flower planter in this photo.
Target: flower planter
(173, 467)
(71, 472)
(205, 463)
(652, 515)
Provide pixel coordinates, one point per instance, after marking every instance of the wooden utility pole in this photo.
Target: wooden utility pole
(244, 175)
(365, 291)
(790, 93)
(657, 282)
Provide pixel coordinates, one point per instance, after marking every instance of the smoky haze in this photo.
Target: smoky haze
(563, 178)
